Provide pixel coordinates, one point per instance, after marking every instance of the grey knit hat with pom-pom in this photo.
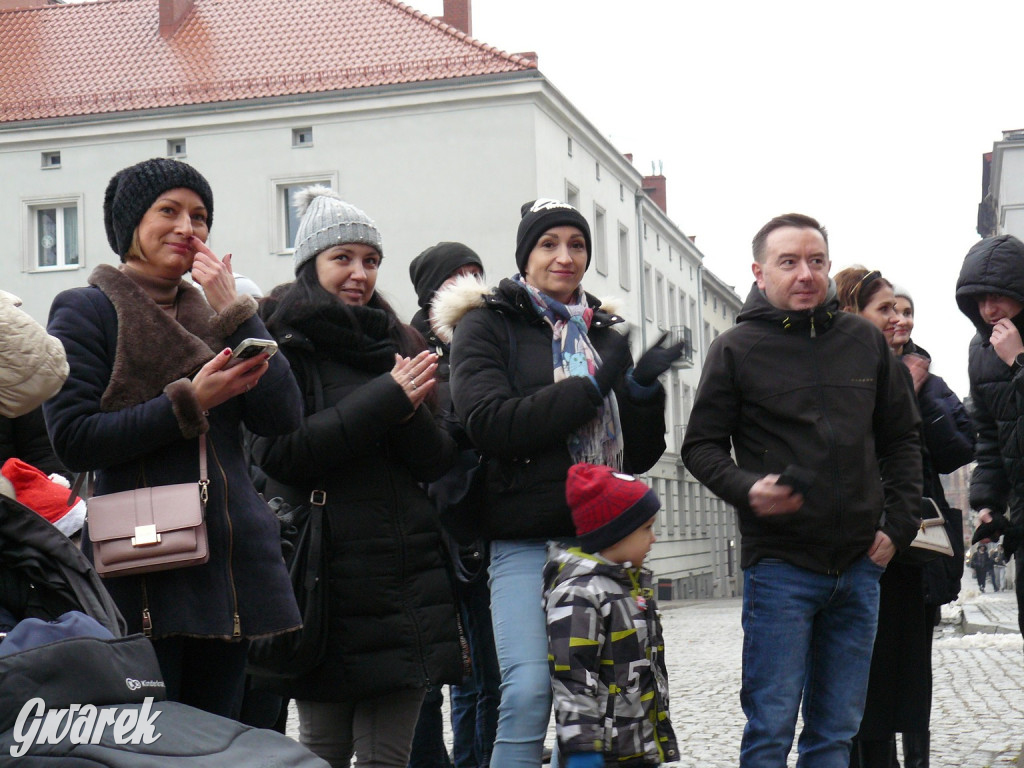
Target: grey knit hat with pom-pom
(328, 220)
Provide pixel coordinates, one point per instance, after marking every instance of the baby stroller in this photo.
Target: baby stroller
(96, 699)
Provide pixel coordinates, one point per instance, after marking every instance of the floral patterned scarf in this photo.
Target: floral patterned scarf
(600, 440)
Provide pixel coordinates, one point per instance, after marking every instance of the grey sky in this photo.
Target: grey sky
(870, 116)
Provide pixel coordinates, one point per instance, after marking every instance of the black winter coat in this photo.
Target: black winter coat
(994, 265)
(25, 438)
(949, 439)
(392, 617)
(522, 421)
(819, 390)
(128, 412)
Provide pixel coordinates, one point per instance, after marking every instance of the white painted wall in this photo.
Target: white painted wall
(428, 164)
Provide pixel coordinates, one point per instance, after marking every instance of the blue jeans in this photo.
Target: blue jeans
(809, 634)
(520, 636)
(475, 702)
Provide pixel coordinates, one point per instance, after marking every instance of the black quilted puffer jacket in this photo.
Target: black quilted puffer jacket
(995, 265)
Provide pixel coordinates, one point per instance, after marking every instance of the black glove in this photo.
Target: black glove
(656, 360)
(613, 366)
(991, 531)
(1013, 536)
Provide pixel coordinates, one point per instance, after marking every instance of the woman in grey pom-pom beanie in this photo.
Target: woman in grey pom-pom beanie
(369, 440)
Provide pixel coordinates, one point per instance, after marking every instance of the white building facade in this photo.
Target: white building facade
(449, 159)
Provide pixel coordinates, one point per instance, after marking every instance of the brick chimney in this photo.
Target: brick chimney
(6, 5)
(172, 13)
(459, 14)
(654, 186)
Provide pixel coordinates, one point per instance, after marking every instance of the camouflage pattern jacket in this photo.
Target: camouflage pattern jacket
(606, 655)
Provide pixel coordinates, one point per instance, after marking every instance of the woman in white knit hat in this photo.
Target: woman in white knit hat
(369, 439)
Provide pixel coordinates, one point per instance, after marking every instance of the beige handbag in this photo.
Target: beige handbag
(931, 536)
(154, 528)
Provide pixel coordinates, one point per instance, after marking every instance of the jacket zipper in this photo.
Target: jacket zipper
(236, 624)
(836, 492)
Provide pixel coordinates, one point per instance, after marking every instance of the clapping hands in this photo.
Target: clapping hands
(415, 375)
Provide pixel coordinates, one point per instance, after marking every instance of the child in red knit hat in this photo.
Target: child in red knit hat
(605, 645)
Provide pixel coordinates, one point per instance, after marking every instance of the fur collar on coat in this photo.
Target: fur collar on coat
(154, 348)
(468, 292)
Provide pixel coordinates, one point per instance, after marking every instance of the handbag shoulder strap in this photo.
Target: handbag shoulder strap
(203, 478)
(314, 387)
(80, 479)
(317, 501)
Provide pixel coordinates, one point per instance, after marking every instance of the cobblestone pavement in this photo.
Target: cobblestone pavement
(978, 697)
(978, 686)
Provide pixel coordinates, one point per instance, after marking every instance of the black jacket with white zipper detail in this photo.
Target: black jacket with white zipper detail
(817, 389)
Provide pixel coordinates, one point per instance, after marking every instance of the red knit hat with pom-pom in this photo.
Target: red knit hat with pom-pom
(607, 505)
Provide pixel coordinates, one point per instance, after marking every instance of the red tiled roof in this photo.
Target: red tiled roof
(108, 56)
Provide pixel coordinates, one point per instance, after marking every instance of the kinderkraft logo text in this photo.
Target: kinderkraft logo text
(82, 724)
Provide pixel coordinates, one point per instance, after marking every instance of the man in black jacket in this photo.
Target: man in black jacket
(826, 483)
(990, 291)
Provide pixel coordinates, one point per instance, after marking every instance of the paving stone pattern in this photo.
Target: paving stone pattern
(978, 688)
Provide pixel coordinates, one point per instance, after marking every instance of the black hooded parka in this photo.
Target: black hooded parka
(995, 265)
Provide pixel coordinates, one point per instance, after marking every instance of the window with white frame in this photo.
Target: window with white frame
(649, 289)
(284, 219)
(659, 300)
(624, 258)
(572, 195)
(53, 233)
(600, 241)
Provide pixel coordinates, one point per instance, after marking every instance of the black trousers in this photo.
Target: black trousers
(899, 698)
(208, 674)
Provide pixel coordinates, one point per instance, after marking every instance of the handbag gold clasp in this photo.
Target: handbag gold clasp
(145, 536)
(204, 493)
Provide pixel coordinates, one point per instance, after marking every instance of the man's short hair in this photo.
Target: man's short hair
(798, 220)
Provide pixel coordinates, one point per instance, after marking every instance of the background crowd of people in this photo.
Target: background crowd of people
(524, 382)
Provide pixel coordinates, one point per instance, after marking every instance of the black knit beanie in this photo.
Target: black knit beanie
(436, 264)
(133, 190)
(538, 217)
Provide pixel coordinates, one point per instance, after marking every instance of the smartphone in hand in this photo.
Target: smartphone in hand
(249, 348)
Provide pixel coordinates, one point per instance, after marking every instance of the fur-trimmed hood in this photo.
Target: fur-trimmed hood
(468, 292)
(160, 349)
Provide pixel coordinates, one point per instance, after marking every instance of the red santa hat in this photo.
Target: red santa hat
(46, 495)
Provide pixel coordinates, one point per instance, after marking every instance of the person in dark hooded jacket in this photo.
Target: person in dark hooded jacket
(369, 441)
(802, 423)
(990, 291)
